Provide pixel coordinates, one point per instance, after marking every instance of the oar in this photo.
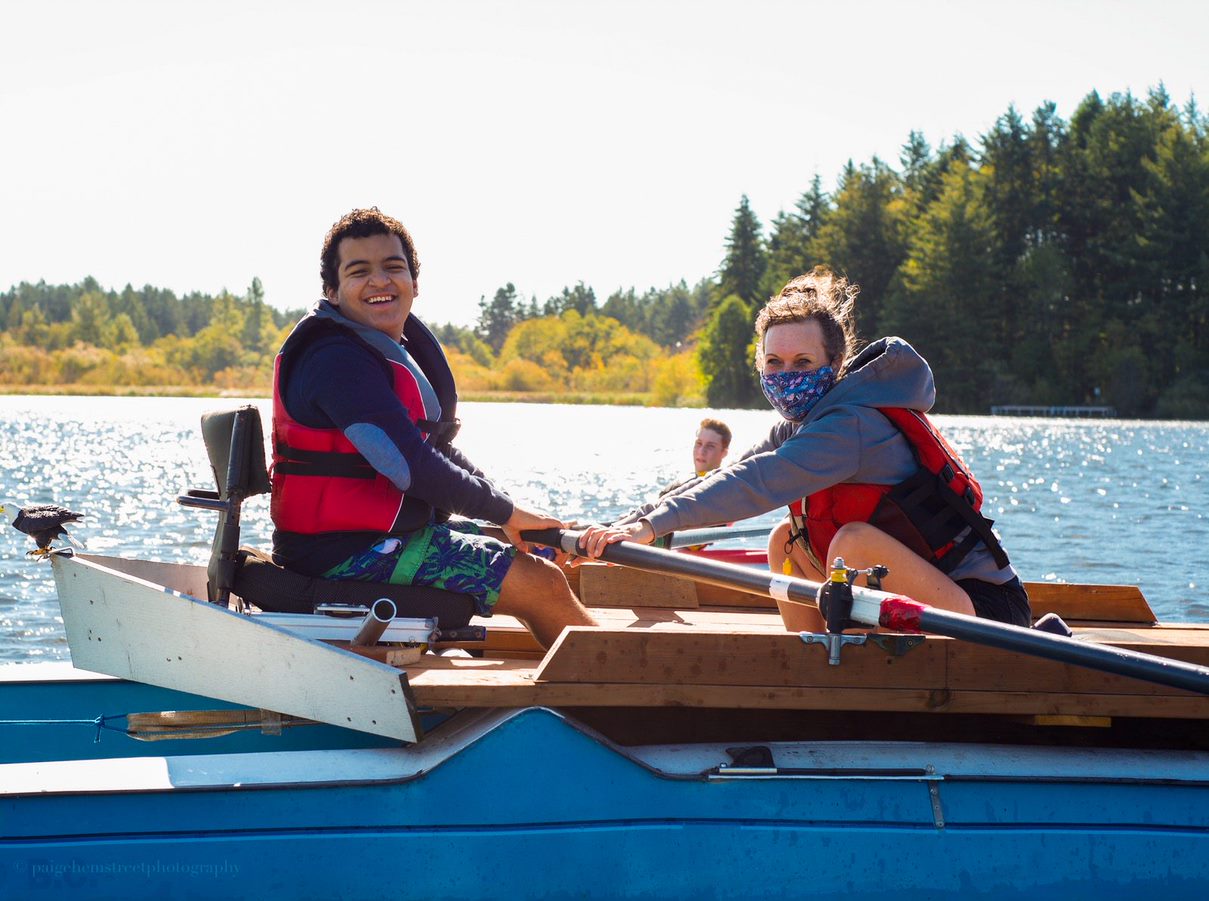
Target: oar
(901, 614)
(694, 537)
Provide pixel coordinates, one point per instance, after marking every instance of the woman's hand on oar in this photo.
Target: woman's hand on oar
(595, 539)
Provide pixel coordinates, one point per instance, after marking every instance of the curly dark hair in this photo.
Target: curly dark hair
(823, 296)
(361, 224)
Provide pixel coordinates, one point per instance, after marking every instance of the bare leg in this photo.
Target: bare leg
(803, 566)
(797, 617)
(862, 545)
(536, 592)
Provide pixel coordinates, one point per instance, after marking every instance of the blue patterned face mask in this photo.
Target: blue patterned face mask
(794, 394)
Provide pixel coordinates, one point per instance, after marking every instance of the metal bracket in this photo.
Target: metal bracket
(834, 641)
(896, 645)
(938, 813)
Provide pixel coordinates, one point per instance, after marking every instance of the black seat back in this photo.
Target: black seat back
(234, 442)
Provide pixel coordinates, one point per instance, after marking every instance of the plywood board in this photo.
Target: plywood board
(479, 683)
(687, 656)
(123, 626)
(620, 586)
(1100, 603)
(183, 577)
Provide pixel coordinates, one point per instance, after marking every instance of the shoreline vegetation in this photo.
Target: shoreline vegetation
(500, 397)
(1048, 263)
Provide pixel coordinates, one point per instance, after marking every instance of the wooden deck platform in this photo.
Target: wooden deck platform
(730, 650)
(665, 644)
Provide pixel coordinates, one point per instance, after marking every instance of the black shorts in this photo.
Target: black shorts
(1006, 603)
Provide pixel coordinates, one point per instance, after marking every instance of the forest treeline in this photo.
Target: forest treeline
(1047, 262)
(84, 335)
(1052, 263)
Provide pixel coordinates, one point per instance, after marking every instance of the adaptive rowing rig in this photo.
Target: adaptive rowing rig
(896, 613)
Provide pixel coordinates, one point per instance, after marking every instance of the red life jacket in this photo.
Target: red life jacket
(321, 483)
(928, 512)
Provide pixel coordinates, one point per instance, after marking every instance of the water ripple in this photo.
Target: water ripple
(1075, 501)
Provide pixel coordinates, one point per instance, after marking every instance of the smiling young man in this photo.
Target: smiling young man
(365, 475)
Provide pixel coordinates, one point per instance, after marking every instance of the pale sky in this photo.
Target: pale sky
(194, 145)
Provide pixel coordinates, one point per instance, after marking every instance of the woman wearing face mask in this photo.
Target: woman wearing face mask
(864, 473)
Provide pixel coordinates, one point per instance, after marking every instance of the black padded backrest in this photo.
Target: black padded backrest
(236, 435)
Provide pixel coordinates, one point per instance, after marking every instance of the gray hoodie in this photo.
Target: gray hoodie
(843, 439)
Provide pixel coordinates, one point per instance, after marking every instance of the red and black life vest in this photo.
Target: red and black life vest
(321, 483)
(928, 512)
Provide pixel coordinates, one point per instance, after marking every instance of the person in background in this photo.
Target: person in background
(710, 446)
(365, 475)
(849, 458)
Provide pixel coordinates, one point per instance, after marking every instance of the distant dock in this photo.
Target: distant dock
(1074, 412)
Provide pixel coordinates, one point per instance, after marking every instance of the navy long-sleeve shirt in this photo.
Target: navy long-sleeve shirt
(337, 382)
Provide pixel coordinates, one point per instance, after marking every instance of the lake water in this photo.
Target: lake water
(1105, 501)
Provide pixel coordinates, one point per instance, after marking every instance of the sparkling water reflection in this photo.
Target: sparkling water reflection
(1077, 501)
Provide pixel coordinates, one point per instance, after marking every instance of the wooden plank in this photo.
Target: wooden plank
(124, 626)
(506, 636)
(1071, 601)
(1057, 703)
(977, 667)
(463, 683)
(1082, 722)
(584, 654)
(1103, 603)
(200, 724)
(620, 586)
(707, 595)
(717, 596)
(513, 685)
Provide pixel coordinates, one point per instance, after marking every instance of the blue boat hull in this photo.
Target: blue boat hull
(530, 804)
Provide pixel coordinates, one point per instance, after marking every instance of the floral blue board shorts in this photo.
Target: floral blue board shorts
(453, 555)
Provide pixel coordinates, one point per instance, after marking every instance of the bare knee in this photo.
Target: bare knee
(534, 582)
(536, 592)
(778, 540)
(852, 542)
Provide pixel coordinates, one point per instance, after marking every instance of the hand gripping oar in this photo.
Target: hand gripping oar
(895, 612)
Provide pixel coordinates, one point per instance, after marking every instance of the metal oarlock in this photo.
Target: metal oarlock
(835, 603)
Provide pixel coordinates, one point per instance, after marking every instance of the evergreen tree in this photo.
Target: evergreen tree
(725, 356)
(580, 298)
(951, 283)
(789, 244)
(921, 172)
(1046, 138)
(90, 317)
(497, 318)
(1099, 224)
(625, 307)
(862, 236)
(675, 313)
(745, 262)
(1173, 244)
(1007, 169)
